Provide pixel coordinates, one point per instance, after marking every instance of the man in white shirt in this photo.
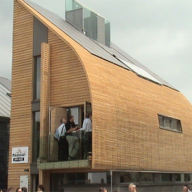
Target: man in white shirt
(61, 130)
(87, 128)
(62, 142)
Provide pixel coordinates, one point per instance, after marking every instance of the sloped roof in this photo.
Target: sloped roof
(5, 99)
(113, 54)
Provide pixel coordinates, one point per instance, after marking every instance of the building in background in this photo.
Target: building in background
(5, 110)
(141, 125)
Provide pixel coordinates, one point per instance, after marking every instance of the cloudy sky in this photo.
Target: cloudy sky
(156, 33)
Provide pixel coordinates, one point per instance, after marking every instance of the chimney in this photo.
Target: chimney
(88, 22)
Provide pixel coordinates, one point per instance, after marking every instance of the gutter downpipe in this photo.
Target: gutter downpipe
(111, 173)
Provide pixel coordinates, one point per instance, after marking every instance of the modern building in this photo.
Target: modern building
(141, 125)
(5, 109)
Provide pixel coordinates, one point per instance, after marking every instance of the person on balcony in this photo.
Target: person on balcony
(73, 141)
(62, 142)
(87, 128)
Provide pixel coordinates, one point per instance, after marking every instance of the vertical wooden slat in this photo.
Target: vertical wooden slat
(44, 100)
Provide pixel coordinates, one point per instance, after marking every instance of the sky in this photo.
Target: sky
(156, 33)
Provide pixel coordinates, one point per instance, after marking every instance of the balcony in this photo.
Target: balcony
(74, 151)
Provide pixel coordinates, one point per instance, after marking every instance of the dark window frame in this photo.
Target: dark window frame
(35, 145)
(35, 98)
(162, 125)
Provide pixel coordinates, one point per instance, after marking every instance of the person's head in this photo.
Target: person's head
(24, 189)
(103, 190)
(10, 189)
(63, 121)
(132, 187)
(40, 188)
(18, 190)
(71, 118)
(88, 115)
(185, 188)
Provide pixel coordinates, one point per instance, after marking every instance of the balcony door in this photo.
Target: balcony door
(56, 114)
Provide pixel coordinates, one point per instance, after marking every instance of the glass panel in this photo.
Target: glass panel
(107, 33)
(90, 23)
(129, 177)
(139, 71)
(167, 122)
(156, 177)
(178, 177)
(36, 135)
(100, 177)
(146, 177)
(161, 123)
(80, 178)
(176, 124)
(166, 177)
(74, 111)
(37, 77)
(71, 178)
(187, 177)
(72, 5)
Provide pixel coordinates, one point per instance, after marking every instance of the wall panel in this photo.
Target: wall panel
(21, 123)
(68, 81)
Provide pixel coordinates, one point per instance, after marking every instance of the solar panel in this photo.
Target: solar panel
(141, 72)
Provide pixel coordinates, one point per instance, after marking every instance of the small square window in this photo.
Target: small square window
(177, 177)
(187, 177)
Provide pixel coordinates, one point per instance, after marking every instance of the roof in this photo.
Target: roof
(5, 99)
(112, 54)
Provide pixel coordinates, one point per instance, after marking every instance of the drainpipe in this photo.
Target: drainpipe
(111, 173)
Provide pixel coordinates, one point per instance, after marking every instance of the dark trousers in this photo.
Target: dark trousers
(63, 149)
(87, 144)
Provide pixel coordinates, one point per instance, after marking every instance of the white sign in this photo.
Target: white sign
(20, 154)
(24, 181)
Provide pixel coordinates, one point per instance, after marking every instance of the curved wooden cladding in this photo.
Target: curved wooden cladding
(22, 68)
(126, 132)
(68, 81)
(45, 101)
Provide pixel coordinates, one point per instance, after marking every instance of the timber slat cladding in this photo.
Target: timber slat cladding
(68, 81)
(20, 128)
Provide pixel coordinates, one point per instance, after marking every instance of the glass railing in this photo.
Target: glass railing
(76, 146)
(72, 5)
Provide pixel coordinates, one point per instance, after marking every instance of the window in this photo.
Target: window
(37, 78)
(177, 177)
(187, 178)
(36, 135)
(146, 177)
(166, 177)
(169, 123)
(129, 177)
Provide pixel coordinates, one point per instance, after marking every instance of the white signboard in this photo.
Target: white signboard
(20, 154)
(24, 181)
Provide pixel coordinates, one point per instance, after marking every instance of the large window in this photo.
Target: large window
(36, 135)
(37, 78)
(169, 123)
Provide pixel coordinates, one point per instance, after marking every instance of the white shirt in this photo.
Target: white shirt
(87, 125)
(60, 131)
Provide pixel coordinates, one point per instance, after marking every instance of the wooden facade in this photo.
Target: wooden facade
(125, 107)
